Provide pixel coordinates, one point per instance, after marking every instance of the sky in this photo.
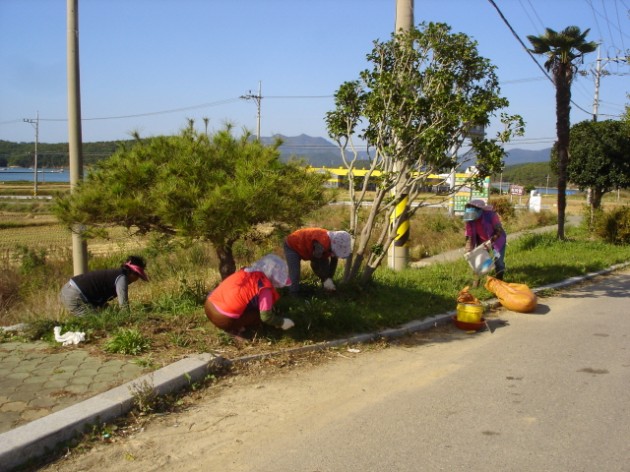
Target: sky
(147, 66)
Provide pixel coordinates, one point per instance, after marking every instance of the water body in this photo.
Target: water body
(540, 190)
(15, 174)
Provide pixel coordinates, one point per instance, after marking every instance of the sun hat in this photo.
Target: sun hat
(274, 267)
(340, 243)
(479, 203)
(138, 269)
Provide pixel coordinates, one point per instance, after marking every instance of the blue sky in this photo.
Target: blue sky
(141, 60)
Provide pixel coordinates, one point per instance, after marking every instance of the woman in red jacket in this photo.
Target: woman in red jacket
(323, 248)
(245, 299)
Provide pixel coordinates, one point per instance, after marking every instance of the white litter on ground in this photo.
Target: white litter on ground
(71, 337)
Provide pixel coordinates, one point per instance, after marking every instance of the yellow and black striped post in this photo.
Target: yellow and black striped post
(398, 252)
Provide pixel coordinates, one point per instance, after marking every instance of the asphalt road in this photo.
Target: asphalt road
(547, 391)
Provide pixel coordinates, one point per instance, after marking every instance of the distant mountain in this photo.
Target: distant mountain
(321, 152)
(318, 152)
(523, 156)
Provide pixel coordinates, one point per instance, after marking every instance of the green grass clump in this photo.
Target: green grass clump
(128, 341)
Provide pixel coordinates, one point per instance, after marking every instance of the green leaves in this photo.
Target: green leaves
(423, 91)
(214, 188)
(599, 152)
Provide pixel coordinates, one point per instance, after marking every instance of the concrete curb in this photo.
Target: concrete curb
(37, 438)
(40, 436)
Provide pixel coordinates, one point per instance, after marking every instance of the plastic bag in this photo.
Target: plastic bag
(465, 296)
(514, 297)
(480, 259)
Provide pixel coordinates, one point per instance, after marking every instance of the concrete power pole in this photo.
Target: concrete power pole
(35, 123)
(399, 252)
(598, 73)
(257, 99)
(79, 246)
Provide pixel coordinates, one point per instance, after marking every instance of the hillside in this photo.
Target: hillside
(319, 152)
(524, 156)
(533, 174)
(316, 151)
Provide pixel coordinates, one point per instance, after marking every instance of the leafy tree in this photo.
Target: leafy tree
(426, 89)
(192, 185)
(599, 158)
(563, 50)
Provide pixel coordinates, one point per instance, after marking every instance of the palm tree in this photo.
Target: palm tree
(563, 50)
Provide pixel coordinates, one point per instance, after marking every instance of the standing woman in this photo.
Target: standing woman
(483, 226)
(246, 298)
(93, 290)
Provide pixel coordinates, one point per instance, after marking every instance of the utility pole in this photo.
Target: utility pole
(399, 252)
(599, 71)
(79, 246)
(257, 99)
(35, 123)
(547, 187)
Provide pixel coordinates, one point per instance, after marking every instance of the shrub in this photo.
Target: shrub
(613, 226)
(30, 259)
(504, 207)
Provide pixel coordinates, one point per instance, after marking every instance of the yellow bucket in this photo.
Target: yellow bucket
(469, 313)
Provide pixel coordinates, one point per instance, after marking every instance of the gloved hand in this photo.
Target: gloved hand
(488, 245)
(287, 324)
(329, 285)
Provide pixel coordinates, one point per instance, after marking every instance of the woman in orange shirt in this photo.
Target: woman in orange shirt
(245, 299)
(323, 248)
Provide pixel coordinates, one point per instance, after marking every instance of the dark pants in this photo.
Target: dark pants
(323, 268)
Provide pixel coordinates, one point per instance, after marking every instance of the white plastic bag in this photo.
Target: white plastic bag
(481, 260)
(69, 337)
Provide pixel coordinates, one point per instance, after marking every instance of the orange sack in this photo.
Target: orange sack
(514, 297)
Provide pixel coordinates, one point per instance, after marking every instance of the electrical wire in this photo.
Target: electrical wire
(515, 34)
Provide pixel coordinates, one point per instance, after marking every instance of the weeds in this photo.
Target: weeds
(144, 396)
(128, 341)
(166, 315)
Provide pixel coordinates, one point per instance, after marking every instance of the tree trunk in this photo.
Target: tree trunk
(594, 204)
(596, 198)
(356, 265)
(367, 274)
(563, 125)
(227, 265)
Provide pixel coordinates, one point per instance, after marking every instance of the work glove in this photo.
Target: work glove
(287, 324)
(329, 285)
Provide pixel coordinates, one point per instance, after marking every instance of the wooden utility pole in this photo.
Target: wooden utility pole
(79, 246)
(399, 252)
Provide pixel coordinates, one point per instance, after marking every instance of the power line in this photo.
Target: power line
(529, 53)
(177, 110)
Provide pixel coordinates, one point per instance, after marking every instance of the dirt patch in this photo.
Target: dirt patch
(218, 419)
